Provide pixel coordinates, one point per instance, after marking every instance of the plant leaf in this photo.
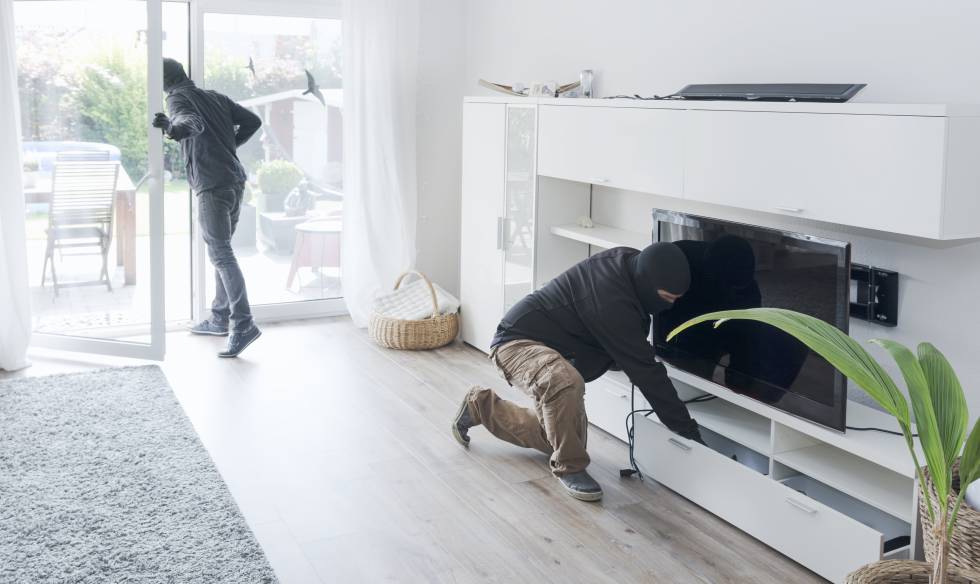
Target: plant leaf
(970, 463)
(930, 435)
(832, 344)
(948, 401)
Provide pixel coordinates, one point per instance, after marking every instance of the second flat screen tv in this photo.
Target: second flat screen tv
(737, 266)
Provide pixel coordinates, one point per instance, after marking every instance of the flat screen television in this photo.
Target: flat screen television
(742, 266)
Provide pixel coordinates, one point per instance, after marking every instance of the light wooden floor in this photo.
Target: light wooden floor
(340, 456)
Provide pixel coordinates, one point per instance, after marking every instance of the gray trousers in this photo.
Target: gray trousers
(218, 211)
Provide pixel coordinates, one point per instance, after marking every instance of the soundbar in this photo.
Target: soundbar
(828, 92)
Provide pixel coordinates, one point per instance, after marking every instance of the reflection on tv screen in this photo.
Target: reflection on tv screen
(737, 266)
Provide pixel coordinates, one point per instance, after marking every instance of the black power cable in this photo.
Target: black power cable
(634, 469)
(883, 430)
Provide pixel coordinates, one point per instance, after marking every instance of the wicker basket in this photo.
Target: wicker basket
(429, 333)
(964, 547)
(906, 572)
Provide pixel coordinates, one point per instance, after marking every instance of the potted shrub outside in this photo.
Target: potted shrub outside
(940, 412)
(31, 168)
(276, 178)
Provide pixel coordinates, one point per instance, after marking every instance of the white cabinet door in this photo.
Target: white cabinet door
(518, 224)
(481, 241)
(878, 172)
(629, 148)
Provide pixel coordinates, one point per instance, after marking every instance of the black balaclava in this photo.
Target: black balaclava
(173, 73)
(661, 266)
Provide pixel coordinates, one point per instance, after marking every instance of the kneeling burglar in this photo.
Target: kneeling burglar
(593, 316)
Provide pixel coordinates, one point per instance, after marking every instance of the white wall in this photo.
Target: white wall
(906, 51)
(439, 147)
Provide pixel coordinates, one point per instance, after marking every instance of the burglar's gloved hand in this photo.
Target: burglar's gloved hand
(160, 120)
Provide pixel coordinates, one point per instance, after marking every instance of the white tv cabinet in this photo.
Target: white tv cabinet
(827, 500)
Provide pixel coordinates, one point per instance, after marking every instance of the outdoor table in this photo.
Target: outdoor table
(125, 220)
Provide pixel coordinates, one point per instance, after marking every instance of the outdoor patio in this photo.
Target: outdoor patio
(94, 311)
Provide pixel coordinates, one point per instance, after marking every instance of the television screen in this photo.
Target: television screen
(742, 266)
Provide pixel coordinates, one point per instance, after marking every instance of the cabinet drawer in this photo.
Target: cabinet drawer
(878, 172)
(628, 148)
(606, 405)
(819, 537)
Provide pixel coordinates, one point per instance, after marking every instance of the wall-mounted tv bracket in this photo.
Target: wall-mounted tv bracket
(877, 295)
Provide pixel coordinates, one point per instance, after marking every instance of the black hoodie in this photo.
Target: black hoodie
(597, 314)
(210, 127)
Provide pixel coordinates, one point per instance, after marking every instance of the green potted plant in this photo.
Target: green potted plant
(31, 167)
(937, 399)
(276, 178)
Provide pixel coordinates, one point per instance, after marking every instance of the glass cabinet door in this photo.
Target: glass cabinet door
(517, 225)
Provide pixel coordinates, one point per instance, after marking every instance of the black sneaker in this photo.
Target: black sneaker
(238, 341)
(463, 422)
(581, 486)
(207, 327)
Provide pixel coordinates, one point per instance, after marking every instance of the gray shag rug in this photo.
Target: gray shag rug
(103, 480)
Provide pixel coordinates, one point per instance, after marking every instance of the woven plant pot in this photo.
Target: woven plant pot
(415, 335)
(906, 572)
(964, 546)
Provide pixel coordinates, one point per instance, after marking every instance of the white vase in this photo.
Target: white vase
(973, 495)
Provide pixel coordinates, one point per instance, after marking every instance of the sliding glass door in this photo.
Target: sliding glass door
(282, 61)
(90, 78)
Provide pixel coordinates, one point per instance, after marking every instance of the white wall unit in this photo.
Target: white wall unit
(823, 539)
(481, 267)
(626, 148)
(875, 171)
(603, 236)
(899, 169)
(497, 218)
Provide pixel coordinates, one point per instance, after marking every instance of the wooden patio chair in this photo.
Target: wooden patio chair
(83, 198)
(82, 156)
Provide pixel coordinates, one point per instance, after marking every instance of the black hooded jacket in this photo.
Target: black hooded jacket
(593, 316)
(210, 127)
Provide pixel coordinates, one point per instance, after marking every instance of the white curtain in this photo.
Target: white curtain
(15, 301)
(380, 199)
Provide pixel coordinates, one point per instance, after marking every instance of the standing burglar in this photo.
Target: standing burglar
(592, 317)
(210, 127)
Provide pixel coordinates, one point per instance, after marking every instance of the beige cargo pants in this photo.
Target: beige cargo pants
(557, 426)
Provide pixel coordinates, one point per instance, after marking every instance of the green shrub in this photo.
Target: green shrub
(278, 177)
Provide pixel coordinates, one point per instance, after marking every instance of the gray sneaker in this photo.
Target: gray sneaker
(238, 341)
(581, 486)
(462, 422)
(207, 327)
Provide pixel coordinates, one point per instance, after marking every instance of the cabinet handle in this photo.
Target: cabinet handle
(804, 508)
(790, 209)
(500, 233)
(611, 392)
(679, 444)
(599, 180)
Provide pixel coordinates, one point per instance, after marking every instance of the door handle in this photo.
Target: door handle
(804, 508)
(679, 444)
(790, 209)
(500, 233)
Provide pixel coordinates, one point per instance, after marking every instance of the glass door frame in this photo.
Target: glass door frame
(288, 8)
(156, 348)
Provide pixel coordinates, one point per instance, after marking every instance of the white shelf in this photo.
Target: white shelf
(883, 449)
(865, 481)
(603, 236)
(734, 423)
